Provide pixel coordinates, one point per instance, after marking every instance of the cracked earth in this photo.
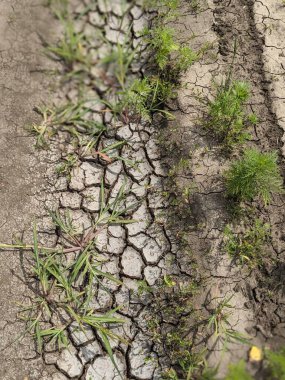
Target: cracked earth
(147, 251)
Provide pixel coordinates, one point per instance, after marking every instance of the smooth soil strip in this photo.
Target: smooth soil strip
(22, 86)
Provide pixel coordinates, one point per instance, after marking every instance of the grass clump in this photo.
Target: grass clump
(60, 293)
(121, 57)
(162, 41)
(275, 362)
(58, 7)
(169, 5)
(247, 247)
(66, 166)
(219, 324)
(167, 52)
(255, 175)
(195, 5)
(180, 351)
(69, 49)
(69, 117)
(66, 289)
(226, 118)
(238, 372)
(146, 96)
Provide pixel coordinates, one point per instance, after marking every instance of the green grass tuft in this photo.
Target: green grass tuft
(162, 42)
(226, 118)
(148, 95)
(238, 372)
(65, 289)
(255, 175)
(169, 54)
(276, 364)
(70, 117)
(170, 5)
(219, 324)
(70, 49)
(121, 57)
(247, 247)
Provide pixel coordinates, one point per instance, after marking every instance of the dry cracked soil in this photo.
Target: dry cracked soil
(148, 253)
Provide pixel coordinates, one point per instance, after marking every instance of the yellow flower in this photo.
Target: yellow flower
(255, 354)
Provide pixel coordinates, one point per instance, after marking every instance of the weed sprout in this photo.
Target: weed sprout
(227, 119)
(255, 175)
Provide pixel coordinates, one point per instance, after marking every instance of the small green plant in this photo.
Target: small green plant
(170, 5)
(209, 374)
(146, 96)
(170, 374)
(195, 5)
(162, 41)
(65, 290)
(168, 52)
(59, 294)
(275, 362)
(172, 304)
(143, 288)
(70, 117)
(187, 361)
(226, 118)
(186, 58)
(65, 167)
(220, 326)
(121, 58)
(58, 7)
(167, 10)
(255, 175)
(70, 48)
(247, 247)
(238, 372)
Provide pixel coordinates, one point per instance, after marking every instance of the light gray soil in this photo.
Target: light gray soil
(22, 86)
(147, 251)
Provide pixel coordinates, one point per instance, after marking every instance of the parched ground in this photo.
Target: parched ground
(257, 313)
(257, 295)
(22, 86)
(175, 192)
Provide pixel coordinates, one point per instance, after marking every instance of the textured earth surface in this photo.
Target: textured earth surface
(146, 252)
(22, 86)
(255, 27)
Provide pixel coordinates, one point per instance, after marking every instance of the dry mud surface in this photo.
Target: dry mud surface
(149, 249)
(256, 27)
(22, 85)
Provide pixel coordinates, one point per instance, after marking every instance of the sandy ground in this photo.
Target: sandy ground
(22, 86)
